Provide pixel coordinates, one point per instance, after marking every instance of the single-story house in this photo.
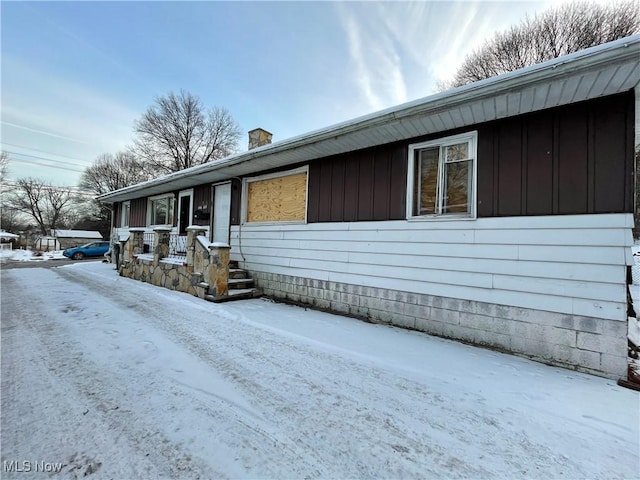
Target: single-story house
(498, 213)
(75, 238)
(7, 239)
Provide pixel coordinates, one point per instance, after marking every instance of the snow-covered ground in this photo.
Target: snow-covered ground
(20, 255)
(119, 379)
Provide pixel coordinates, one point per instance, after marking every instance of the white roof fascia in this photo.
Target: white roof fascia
(588, 59)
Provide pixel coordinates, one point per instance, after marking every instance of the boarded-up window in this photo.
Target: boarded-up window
(426, 180)
(277, 199)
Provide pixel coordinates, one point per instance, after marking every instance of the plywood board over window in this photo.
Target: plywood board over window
(277, 199)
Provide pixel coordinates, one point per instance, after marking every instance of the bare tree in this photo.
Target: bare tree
(111, 172)
(176, 133)
(558, 31)
(11, 220)
(46, 204)
(4, 165)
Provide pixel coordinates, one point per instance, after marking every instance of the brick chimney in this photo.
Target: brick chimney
(259, 137)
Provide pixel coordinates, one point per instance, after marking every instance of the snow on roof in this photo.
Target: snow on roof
(8, 235)
(76, 234)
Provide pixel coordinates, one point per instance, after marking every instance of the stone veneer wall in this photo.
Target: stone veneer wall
(581, 343)
(205, 270)
(164, 274)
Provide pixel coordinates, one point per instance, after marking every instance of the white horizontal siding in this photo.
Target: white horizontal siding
(425, 258)
(562, 254)
(567, 264)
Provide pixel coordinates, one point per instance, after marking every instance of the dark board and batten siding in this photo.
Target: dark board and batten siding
(116, 211)
(567, 160)
(201, 198)
(575, 159)
(360, 186)
(138, 212)
(236, 201)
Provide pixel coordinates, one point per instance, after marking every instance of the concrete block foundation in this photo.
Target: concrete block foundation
(592, 345)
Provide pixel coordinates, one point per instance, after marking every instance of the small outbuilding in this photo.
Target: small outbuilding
(7, 239)
(74, 238)
(46, 244)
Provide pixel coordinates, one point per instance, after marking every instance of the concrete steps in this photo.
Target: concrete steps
(239, 294)
(237, 273)
(240, 286)
(240, 283)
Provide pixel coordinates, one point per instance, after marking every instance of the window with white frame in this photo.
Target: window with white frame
(125, 212)
(442, 177)
(160, 210)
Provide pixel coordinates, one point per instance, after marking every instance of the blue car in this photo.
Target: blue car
(93, 249)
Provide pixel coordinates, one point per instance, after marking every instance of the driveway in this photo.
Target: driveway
(106, 377)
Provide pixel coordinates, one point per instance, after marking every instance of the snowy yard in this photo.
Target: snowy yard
(21, 255)
(115, 378)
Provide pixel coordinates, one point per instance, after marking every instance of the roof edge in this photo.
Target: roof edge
(489, 86)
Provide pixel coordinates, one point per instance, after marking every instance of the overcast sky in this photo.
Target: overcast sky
(75, 75)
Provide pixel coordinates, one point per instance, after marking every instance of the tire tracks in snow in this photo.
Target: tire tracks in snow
(90, 420)
(300, 461)
(381, 427)
(303, 462)
(305, 410)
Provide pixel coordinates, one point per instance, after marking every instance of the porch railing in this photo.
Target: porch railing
(177, 246)
(202, 268)
(149, 242)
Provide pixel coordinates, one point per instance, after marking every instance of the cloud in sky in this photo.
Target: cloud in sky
(58, 103)
(399, 51)
(17, 114)
(75, 75)
(378, 71)
(44, 113)
(75, 38)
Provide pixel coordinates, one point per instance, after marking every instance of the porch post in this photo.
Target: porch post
(136, 241)
(161, 242)
(216, 273)
(193, 231)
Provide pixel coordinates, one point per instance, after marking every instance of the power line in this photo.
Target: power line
(35, 130)
(48, 153)
(55, 167)
(42, 158)
(45, 159)
(69, 189)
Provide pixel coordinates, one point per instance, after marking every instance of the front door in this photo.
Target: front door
(184, 211)
(221, 212)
